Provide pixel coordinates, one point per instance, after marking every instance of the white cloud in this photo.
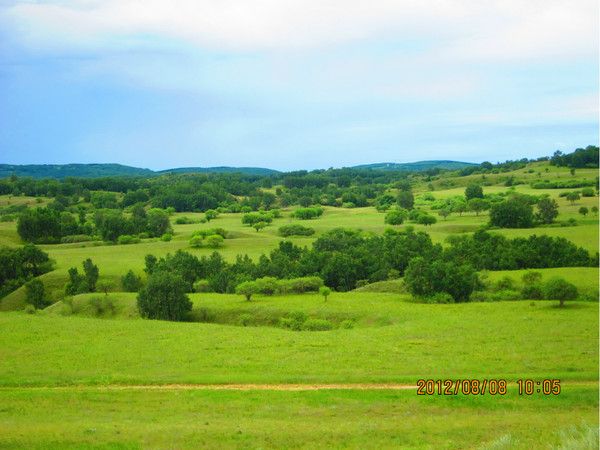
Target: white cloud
(462, 28)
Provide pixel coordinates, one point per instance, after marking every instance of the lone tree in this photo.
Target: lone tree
(164, 297)
(547, 210)
(583, 211)
(561, 290)
(473, 191)
(444, 213)
(478, 204)
(211, 214)
(324, 291)
(595, 210)
(395, 216)
(573, 197)
(91, 274)
(247, 289)
(259, 226)
(406, 199)
(512, 213)
(34, 294)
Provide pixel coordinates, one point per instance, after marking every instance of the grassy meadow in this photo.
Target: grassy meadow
(88, 372)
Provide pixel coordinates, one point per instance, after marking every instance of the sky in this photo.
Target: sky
(295, 84)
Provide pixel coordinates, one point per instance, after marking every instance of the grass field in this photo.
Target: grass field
(72, 376)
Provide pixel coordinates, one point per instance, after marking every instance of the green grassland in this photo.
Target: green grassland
(60, 368)
(99, 418)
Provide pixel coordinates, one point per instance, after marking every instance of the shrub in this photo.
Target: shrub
(347, 324)
(202, 286)
(560, 289)
(295, 230)
(164, 297)
(210, 231)
(126, 239)
(440, 298)
(294, 321)
(299, 285)
(532, 292)
(325, 292)
(588, 192)
(396, 216)
(308, 213)
(254, 217)
(183, 220)
(196, 241)
(531, 277)
(317, 325)
(245, 319)
(166, 237)
(505, 282)
(214, 241)
(426, 219)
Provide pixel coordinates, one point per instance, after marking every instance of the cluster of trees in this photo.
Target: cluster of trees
(581, 157)
(484, 250)
(48, 225)
(344, 258)
(20, 265)
(308, 213)
(81, 283)
(272, 286)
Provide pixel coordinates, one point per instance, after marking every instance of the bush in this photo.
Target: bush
(126, 239)
(183, 220)
(164, 297)
(308, 213)
(588, 192)
(440, 298)
(131, 282)
(295, 230)
(560, 289)
(166, 237)
(504, 283)
(214, 241)
(532, 292)
(347, 324)
(299, 285)
(294, 321)
(396, 216)
(317, 325)
(254, 217)
(202, 286)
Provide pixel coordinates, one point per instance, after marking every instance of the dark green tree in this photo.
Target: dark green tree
(547, 210)
(512, 213)
(164, 297)
(35, 294)
(473, 191)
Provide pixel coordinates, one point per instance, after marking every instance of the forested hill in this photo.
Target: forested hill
(60, 171)
(418, 166)
(222, 169)
(71, 170)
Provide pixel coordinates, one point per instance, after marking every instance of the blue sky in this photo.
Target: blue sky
(293, 84)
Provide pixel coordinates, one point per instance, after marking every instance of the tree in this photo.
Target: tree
(158, 222)
(325, 292)
(426, 219)
(39, 225)
(91, 274)
(395, 216)
(259, 226)
(459, 207)
(477, 205)
(512, 213)
(583, 211)
(196, 241)
(444, 212)
(573, 197)
(561, 290)
(406, 199)
(547, 210)
(35, 294)
(426, 277)
(595, 210)
(164, 297)
(211, 214)
(131, 282)
(473, 191)
(247, 289)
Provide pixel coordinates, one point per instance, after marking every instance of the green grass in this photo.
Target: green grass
(395, 341)
(86, 418)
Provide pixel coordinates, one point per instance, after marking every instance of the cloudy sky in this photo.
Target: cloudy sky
(292, 84)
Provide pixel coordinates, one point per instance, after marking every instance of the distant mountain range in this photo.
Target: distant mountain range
(110, 170)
